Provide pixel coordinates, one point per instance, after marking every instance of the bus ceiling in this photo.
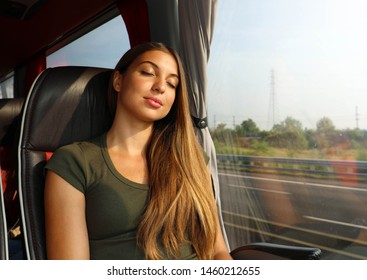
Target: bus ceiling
(29, 27)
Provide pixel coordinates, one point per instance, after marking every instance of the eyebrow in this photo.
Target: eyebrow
(156, 66)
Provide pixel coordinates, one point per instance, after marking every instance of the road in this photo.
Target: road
(330, 215)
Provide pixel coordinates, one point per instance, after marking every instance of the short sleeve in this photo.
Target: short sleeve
(68, 163)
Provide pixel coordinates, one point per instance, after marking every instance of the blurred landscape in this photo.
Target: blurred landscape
(289, 139)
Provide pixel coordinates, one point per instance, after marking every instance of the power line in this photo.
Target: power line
(272, 113)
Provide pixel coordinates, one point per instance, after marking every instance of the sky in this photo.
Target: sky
(269, 59)
(316, 50)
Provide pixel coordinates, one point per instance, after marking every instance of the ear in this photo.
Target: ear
(117, 81)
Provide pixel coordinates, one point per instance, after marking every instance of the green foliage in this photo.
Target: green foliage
(325, 125)
(290, 137)
(325, 132)
(223, 135)
(249, 128)
(260, 148)
(362, 155)
(311, 139)
(288, 134)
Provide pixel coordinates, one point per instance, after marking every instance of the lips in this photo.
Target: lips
(154, 102)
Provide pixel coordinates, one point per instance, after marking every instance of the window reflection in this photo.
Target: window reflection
(101, 47)
(7, 88)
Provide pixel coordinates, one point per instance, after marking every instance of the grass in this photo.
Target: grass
(330, 153)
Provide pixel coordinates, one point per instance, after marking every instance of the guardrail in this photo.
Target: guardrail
(294, 166)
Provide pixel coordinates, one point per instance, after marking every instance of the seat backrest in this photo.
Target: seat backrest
(64, 105)
(9, 136)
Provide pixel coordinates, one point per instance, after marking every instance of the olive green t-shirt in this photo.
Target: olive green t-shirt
(114, 204)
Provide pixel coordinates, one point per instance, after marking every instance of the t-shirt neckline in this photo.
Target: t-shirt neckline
(111, 166)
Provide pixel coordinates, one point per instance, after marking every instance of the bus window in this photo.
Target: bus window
(7, 88)
(287, 112)
(104, 52)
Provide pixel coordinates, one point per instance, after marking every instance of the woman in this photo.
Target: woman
(141, 190)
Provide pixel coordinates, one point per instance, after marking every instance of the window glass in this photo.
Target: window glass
(287, 110)
(101, 47)
(7, 88)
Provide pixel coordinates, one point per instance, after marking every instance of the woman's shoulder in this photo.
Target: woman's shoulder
(79, 150)
(73, 161)
(82, 146)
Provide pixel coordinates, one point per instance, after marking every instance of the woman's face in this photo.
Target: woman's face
(146, 91)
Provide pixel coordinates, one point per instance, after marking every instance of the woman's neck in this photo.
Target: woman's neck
(129, 138)
(127, 145)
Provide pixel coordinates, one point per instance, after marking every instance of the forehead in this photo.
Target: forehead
(163, 60)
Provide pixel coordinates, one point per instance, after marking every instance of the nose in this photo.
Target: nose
(159, 86)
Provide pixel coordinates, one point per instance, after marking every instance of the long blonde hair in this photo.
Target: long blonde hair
(181, 207)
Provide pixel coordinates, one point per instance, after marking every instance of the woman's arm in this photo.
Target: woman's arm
(66, 229)
(220, 249)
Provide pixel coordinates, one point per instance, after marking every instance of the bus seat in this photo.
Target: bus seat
(9, 216)
(65, 104)
(9, 136)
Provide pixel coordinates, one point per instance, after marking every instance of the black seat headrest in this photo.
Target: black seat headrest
(67, 104)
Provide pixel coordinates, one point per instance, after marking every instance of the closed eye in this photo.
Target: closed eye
(147, 73)
(172, 85)
(172, 82)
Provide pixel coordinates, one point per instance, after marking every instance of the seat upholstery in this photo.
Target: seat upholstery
(9, 135)
(65, 104)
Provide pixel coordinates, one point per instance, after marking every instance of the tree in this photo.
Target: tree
(249, 127)
(288, 134)
(223, 135)
(325, 125)
(310, 135)
(325, 132)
